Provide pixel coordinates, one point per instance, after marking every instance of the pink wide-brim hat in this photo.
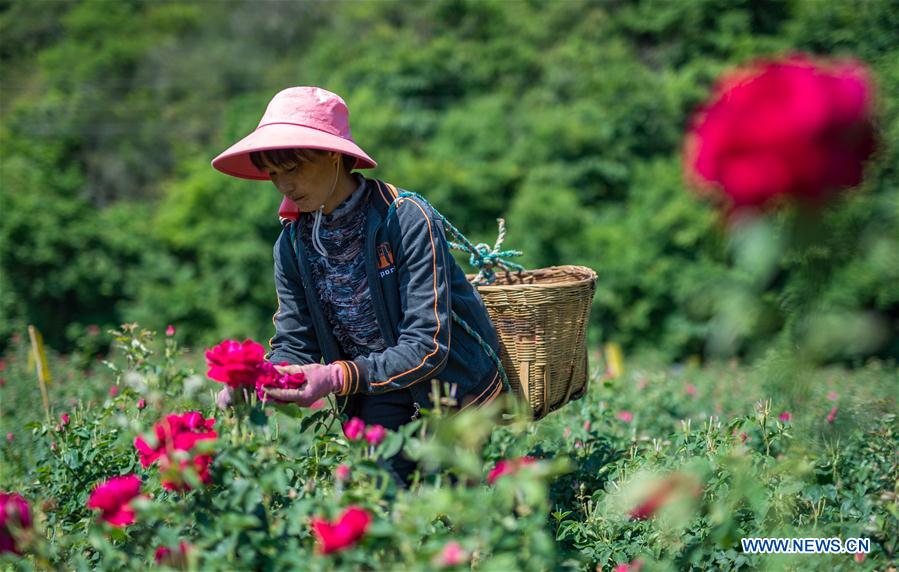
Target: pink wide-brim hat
(297, 117)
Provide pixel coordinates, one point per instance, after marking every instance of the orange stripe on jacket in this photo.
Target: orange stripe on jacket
(436, 313)
(274, 317)
(379, 184)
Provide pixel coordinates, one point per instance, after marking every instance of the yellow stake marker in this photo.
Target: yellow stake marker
(40, 360)
(614, 360)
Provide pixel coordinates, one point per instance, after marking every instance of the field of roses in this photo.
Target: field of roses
(659, 468)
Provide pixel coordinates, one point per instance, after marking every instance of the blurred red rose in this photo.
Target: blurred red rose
(173, 475)
(508, 467)
(375, 434)
(795, 127)
(237, 363)
(114, 497)
(665, 491)
(13, 509)
(349, 528)
(175, 433)
(168, 557)
(354, 428)
(634, 566)
(342, 472)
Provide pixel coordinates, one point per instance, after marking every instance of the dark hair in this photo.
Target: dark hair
(284, 158)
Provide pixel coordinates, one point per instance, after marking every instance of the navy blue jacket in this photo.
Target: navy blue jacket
(415, 285)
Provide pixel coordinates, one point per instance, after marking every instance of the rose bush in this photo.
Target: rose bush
(305, 488)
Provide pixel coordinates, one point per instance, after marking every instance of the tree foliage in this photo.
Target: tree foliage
(566, 118)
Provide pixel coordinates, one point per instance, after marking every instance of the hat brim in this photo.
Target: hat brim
(235, 160)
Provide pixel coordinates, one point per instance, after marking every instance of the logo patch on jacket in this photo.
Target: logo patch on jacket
(385, 260)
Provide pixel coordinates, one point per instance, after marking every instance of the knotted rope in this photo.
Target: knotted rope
(481, 256)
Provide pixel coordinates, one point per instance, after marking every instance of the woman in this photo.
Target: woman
(368, 289)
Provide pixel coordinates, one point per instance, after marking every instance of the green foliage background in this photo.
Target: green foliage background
(564, 117)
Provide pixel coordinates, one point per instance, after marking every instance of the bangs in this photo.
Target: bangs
(282, 158)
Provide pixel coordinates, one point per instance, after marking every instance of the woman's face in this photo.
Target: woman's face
(308, 183)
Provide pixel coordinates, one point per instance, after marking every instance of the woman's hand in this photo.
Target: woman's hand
(321, 381)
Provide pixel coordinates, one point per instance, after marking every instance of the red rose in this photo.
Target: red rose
(13, 509)
(237, 363)
(791, 128)
(114, 497)
(273, 378)
(349, 528)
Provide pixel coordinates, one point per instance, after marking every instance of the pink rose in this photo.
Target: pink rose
(114, 497)
(170, 331)
(237, 363)
(690, 389)
(832, 415)
(634, 566)
(342, 472)
(346, 531)
(451, 555)
(796, 127)
(64, 419)
(375, 434)
(13, 509)
(354, 428)
(141, 403)
(785, 416)
(625, 416)
(113, 391)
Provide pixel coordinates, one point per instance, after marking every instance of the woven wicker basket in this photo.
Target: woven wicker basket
(541, 317)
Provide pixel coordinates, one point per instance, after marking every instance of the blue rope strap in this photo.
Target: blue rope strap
(485, 260)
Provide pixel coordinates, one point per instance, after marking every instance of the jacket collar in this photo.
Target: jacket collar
(382, 195)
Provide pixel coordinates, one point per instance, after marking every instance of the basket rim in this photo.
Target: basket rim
(591, 277)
